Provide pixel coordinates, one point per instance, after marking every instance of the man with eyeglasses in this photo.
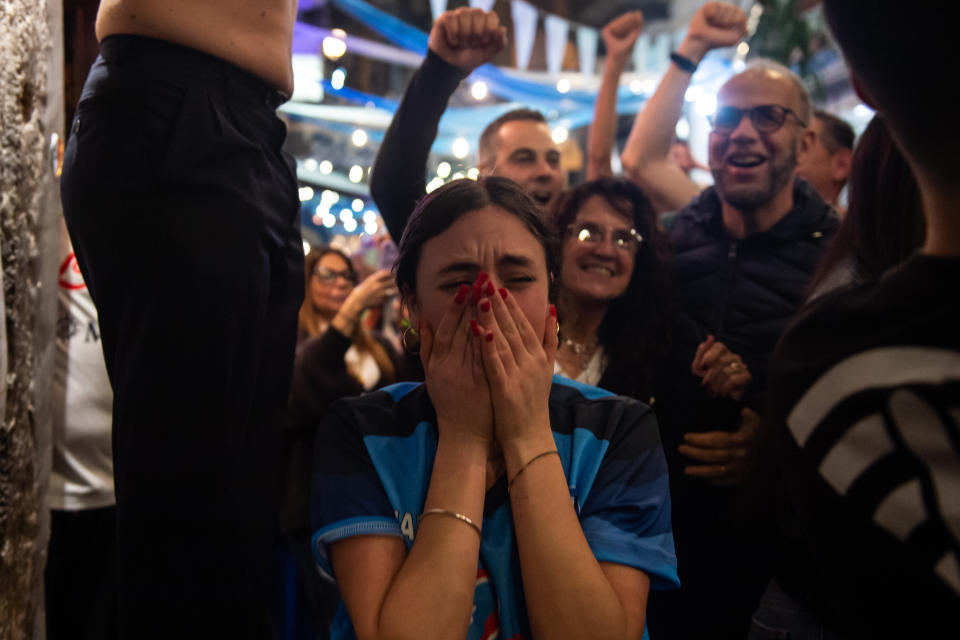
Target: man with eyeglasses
(744, 251)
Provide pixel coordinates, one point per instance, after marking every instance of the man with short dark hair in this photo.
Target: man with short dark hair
(488, 137)
(681, 156)
(517, 145)
(865, 385)
(826, 163)
(836, 133)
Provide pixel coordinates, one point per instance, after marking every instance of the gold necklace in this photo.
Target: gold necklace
(583, 350)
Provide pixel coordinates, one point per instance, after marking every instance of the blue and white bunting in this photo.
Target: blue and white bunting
(524, 30)
(587, 39)
(556, 29)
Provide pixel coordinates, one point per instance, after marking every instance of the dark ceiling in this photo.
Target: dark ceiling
(597, 13)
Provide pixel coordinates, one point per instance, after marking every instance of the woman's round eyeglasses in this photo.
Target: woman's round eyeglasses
(590, 233)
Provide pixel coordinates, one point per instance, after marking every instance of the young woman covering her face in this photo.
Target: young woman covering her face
(495, 497)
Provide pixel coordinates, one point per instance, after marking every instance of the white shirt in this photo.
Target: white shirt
(591, 374)
(363, 366)
(82, 472)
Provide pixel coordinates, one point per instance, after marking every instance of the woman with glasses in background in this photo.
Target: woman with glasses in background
(337, 357)
(333, 296)
(614, 288)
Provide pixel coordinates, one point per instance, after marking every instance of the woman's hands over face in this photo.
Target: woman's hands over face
(454, 369)
(518, 364)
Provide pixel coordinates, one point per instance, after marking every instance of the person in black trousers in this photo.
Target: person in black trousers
(184, 214)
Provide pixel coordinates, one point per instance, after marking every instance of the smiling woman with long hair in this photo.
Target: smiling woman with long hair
(496, 498)
(614, 288)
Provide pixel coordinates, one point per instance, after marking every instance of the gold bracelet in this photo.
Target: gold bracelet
(452, 514)
(530, 462)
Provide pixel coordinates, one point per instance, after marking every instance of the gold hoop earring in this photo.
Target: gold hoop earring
(405, 340)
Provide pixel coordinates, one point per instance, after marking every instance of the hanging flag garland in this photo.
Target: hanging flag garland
(524, 17)
(556, 30)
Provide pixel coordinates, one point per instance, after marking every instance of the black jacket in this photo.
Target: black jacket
(744, 292)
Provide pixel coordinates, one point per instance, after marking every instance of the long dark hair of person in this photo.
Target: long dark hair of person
(884, 222)
(635, 330)
(882, 228)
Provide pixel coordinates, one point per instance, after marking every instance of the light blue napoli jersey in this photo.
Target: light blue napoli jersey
(374, 456)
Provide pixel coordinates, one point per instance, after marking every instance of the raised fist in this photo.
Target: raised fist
(621, 33)
(467, 38)
(714, 25)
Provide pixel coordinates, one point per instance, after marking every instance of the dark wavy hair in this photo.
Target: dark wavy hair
(635, 332)
(436, 212)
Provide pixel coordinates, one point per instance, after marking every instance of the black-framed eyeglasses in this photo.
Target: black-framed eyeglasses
(590, 233)
(765, 118)
(329, 276)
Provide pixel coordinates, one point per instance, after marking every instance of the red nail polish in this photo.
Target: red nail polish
(462, 293)
(503, 293)
(475, 328)
(490, 288)
(477, 292)
(485, 305)
(553, 310)
(490, 337)
(482, 277)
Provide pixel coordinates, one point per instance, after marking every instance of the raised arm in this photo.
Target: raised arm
(460, 41)
(646, 156)
(619, 36)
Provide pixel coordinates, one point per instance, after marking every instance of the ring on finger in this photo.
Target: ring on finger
(734, 367)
